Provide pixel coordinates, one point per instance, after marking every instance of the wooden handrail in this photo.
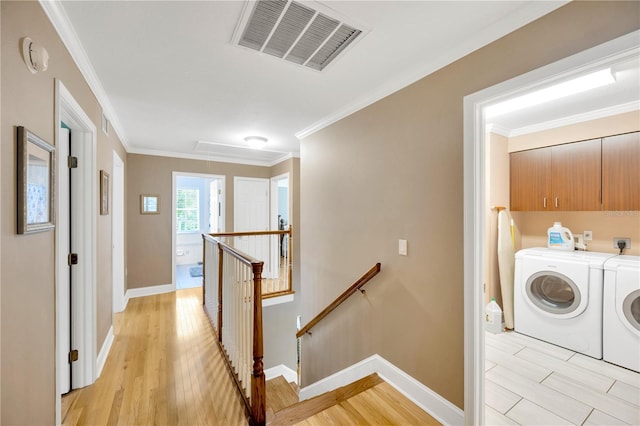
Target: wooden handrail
(255, 405)
(249, 233)
(344, 296)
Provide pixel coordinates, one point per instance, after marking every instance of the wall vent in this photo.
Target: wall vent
(296, 33)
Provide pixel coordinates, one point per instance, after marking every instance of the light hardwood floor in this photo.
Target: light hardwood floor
(531, 382)
(164, 368)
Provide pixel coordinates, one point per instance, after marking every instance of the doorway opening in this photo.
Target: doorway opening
(475, 191)
(198, 208)
(280, 221)
(76, 231)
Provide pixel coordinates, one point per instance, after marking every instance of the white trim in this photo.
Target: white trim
(86, 212)
(620, 49)
(281, 370)
(61, 22)
(575, 119)
(174, 236)
(421, 395)
(104, 352)
(528, 13)
(117, 233)
(147, 291)
(277, 300)
(214, 157)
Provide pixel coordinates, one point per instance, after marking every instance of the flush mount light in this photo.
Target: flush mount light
(35, 56)
(256, 142)
(561, 90)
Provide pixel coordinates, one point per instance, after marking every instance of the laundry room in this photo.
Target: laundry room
(562, 257)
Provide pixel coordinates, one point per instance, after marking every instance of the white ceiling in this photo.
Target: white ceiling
(169, 77)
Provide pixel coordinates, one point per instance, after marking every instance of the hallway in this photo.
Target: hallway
(164, 368)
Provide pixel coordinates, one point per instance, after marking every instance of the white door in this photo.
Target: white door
(118, 233)
(64, 288)
(251, 213)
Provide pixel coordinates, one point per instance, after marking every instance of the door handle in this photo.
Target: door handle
(544, 202)
(556, 202)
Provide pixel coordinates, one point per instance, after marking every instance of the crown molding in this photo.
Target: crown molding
(523, 16)
(575, 119)
(213, 157)
(60, 20)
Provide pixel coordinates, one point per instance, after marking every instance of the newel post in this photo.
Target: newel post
(258, 387)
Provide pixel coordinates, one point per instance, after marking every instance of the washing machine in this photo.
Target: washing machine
(558, 297)
(621, 312)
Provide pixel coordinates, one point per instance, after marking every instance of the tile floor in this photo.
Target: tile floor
(184, 279)
(531, 382)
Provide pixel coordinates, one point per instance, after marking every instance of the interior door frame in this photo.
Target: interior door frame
(174, 233)
(475, 140)
(273, 220)
(117, 234)
(84, 304)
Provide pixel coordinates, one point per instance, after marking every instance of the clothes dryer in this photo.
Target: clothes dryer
(558, 297)
(621, 312)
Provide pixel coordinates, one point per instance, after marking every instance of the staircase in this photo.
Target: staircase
(369, 400)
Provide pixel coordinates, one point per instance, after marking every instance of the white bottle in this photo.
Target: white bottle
(493, 317)
(560, 238)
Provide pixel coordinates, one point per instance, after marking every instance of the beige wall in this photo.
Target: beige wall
(394, 170)
(27, 262)
(149, 236)
(606, 126)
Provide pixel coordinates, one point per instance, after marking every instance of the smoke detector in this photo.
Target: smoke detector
(295, 32)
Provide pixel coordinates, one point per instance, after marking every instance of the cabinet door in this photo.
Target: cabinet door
(621, 172)
(530, 179)
(576, 172)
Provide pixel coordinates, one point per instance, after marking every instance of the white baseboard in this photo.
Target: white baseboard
(146, 291)
(438, 407)
(281, 370)
(104, 352)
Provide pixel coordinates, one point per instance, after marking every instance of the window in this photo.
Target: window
(187, 210)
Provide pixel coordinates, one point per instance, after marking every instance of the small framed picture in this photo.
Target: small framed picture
(104, 192)
(36, 176)
(149, 204)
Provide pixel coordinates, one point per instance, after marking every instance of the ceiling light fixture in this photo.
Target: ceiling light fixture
(256, 142)
(561, 90)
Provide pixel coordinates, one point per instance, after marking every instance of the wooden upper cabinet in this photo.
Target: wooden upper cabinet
(621, 172)
(561, 177)
(530, 179)
(576, 176)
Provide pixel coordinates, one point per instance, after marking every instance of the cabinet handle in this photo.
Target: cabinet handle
(556, 202)
(544, 202)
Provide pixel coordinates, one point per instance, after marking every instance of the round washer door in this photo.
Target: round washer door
(631, 309)
(553, 293)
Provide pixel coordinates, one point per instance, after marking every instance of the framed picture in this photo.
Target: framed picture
(104, 192)
(36, 175)
(149, 204)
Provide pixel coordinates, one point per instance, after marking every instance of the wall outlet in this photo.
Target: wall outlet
(627, 242)
(588, 235)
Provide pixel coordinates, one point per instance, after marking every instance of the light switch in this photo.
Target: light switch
(402, 247)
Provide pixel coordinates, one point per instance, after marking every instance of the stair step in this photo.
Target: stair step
(280, 394)
(304, 409)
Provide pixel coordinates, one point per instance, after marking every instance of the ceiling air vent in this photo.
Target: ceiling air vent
(297, 33)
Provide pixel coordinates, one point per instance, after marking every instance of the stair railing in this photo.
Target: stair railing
(344, 296)
(275, 248)
(232, 299)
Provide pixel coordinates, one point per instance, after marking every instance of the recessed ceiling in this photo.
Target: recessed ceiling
(169, 75)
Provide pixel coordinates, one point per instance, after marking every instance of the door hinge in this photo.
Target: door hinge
(72, 259)
(72, 162)
(73, 355)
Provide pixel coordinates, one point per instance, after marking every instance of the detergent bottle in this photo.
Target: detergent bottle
(560, 238)
(493, 317)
